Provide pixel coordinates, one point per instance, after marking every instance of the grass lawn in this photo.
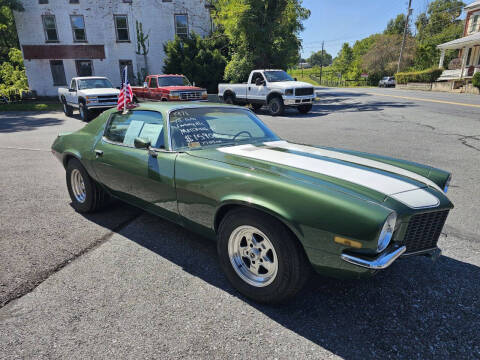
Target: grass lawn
(31, 106)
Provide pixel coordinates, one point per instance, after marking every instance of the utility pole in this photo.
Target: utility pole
(409, 11)
(321, 65)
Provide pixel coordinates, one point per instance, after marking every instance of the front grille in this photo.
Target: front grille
(107, 98)
(303, 91)
(191, 95)
(424, 230)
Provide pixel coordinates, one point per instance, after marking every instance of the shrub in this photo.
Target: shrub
(13, 81)
(424, 76)
(476, 80)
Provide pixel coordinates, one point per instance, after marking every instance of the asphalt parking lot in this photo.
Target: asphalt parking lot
(125, 284)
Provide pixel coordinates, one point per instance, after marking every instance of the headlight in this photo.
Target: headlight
(174, 93)
(92, 98)
(289, 92)
(387, 232)
(204, 94)
(447, 183)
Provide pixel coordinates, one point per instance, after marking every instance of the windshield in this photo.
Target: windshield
(173, 81)
(277, 75)
(197, 128)
(94, 84)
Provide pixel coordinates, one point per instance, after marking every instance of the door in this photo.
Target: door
(141, 177)
(71, 95)
(153, 89)
(254, 92)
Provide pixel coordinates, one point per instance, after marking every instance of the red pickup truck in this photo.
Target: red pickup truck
(168, 88)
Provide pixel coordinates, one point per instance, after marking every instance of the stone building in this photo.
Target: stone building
(61, 39)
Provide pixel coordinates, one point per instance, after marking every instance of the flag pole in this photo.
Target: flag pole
(125, 111)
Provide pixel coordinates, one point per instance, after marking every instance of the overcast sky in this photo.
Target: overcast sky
(339, 21)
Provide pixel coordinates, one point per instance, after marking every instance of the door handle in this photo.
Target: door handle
(98, 153)
(249, 88)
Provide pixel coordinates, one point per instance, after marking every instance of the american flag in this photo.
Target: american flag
(125, 98)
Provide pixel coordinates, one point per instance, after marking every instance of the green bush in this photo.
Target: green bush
(13, 81)
(424, 76)
(476, 80)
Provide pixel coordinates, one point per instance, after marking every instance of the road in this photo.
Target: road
(122, 283)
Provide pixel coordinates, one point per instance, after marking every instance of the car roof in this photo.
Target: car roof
(90, 77)
(176, 105)
(166, 75)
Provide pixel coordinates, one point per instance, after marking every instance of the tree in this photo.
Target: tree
(200, 60)
(317, 58)
(8, 31)
(343, 62)
(382, 56)
(262, 33)
(13, 80)
(143, 47)
(397, 26)
(439, 24)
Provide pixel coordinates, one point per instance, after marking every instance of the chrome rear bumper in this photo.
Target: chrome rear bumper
(382, 261)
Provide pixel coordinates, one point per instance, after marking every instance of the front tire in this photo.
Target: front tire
(304, 109)
(67, 109)
(275, 104)
(260, 256)
(86, 195)
(84, 112)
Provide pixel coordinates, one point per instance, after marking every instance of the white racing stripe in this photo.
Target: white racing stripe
(382, 183)
(282, 144)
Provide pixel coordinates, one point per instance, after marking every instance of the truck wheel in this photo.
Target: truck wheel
(303, 109)
(84, 113)
(229, 100)
(260, 257)
(276, 106)
(67, 109)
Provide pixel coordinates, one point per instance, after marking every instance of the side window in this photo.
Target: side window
(153, 83)
(58, 72)
(256, 76)
(124, 128)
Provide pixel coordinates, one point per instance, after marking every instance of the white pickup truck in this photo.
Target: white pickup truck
(89, 94)
(274, 88)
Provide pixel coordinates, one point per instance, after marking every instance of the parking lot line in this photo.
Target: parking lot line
(427, 100)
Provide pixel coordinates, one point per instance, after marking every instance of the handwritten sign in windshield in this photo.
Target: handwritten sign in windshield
(195, 130)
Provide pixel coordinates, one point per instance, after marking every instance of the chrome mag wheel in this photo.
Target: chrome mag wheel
(78, 186)
(253, 256)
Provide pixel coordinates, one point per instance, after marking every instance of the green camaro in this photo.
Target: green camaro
(276, 209)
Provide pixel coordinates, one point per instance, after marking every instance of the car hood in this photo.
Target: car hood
(357, 175)
(182, 88)
(290, 84)
(101, 91)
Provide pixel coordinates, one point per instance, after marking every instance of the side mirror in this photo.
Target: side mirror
(295, 79)
(71, 90)
(193, 83)
(141, 143)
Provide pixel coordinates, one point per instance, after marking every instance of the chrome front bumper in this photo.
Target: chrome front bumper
(298, 100)
(382, 261)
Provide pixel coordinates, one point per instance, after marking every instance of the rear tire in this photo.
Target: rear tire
(276, 106)
(86, 195)
(286, 265)
(304, 109)
(228, 99)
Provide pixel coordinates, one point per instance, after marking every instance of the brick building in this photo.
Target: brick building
(61, 39)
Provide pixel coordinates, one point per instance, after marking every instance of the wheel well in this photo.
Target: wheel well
(224, 210)
(81, 100)
(67, 158)
(62, 98)
(273, 95)
(164, 99)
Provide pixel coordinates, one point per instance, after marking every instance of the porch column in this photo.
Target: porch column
(442, 58)
(464, 61)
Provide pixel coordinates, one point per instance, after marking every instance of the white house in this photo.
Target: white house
(61, 39)
(468, 46)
